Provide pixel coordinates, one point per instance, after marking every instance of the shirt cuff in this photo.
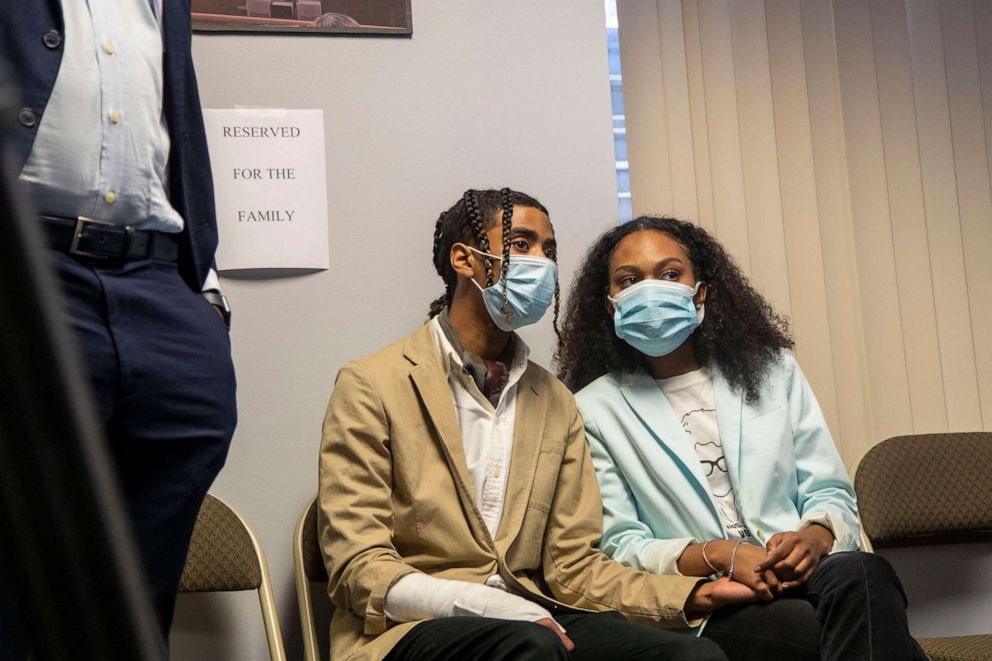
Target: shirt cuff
(663, 557)
(836, 528)
(211, 282)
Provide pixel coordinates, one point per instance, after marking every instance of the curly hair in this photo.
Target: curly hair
(741, 334)
(466, 222)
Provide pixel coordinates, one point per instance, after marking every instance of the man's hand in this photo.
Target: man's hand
(554, 626)
(793, 556)
(711, 595)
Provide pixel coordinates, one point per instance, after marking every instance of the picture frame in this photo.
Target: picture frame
(335, 17)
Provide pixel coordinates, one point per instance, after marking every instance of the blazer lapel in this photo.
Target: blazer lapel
(528, 438)
(431, 383)
(651, 407)
(176, 37)
(729, 408)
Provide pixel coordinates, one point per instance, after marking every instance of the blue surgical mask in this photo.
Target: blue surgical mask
(530, 288)
(656, 316)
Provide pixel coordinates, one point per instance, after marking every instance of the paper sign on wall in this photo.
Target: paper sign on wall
(270, 187)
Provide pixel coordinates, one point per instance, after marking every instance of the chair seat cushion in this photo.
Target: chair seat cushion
(958, 648)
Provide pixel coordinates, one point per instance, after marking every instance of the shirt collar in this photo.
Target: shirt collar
(452, 358)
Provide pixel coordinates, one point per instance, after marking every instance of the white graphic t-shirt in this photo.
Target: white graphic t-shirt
(691, 398)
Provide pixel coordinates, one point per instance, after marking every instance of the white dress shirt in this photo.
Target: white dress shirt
(486, 431)
(487, 438)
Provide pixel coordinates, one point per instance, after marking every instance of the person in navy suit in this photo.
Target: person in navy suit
(111, 149)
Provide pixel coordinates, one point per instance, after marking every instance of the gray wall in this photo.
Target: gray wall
(477, 97)
(947, 586)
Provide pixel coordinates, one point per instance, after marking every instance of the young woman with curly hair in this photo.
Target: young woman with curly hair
(712, 454)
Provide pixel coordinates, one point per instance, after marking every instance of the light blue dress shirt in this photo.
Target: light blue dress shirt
(105, 156)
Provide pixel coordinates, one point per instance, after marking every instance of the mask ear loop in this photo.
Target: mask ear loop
(480, 252)
(485, 254)
(699, 283)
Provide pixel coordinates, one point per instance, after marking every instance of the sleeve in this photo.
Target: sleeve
(355, 494)
(626, 538)
(825, 494)
(422, 597)
(579, 574)
(211, 282)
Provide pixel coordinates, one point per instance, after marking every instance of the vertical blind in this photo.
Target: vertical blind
(841, 151)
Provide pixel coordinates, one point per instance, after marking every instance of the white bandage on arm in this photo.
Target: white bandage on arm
(422, 597)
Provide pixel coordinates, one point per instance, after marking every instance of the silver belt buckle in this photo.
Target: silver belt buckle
(77, 235)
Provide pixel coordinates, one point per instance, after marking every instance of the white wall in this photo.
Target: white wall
(948, 587)
(484, 94)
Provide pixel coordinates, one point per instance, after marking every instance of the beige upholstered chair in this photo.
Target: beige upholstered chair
(930, 489)
(310, 569)
(225, 556)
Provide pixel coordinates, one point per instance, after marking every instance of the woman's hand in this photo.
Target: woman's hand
(792, 556)
(746, 569)
(693, 563)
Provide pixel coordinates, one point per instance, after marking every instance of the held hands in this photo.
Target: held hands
(749, 556)
(697, 561)
(792, 556)
(759, 573)
(711, 595)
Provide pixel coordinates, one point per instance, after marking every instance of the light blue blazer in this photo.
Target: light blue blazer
(782, 462)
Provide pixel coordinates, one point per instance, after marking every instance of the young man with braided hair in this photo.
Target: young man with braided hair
(459, 509)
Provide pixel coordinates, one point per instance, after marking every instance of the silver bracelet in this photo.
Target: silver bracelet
(708, 563)
(733, 557)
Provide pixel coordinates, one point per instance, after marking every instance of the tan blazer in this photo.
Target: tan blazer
(396, 497)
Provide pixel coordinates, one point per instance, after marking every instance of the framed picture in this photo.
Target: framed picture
(384, 17)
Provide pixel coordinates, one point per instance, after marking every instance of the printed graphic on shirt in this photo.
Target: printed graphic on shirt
(700, 424)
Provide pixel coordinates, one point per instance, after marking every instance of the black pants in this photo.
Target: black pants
(853, 607)
(597, 637)
(159, 362)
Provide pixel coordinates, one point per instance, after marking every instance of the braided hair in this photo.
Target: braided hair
(466, 222)
(506, 197)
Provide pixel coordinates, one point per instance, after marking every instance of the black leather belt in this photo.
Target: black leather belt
(95, 239)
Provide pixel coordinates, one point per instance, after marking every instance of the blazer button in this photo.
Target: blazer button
(27, 117)
(52, 39)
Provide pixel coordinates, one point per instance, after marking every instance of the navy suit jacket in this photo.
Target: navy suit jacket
(31, 39)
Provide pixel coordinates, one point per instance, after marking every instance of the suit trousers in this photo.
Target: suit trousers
(596, 636)
(159, 363)
(851, 608)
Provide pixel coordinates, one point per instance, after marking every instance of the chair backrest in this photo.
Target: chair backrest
(224, 555)
(926, 489)
(221, 555)
(313, 560)
(309, 564)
